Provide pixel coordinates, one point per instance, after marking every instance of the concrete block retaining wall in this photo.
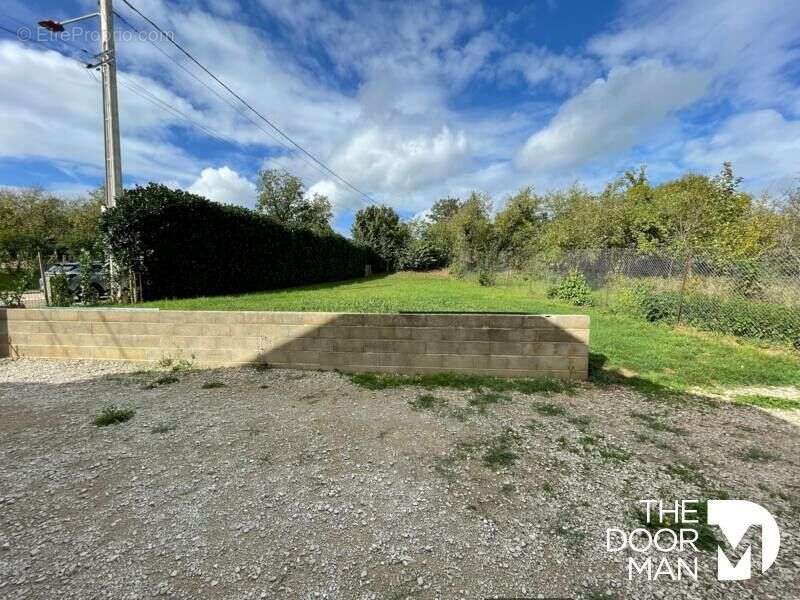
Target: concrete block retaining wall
(502, 345)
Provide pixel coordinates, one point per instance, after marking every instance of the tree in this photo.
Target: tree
(519, 225)
(444, 209)
(440, 233)
(575, 221)
(789, 229)
(32, 220)
(83, 224)
(710, 215)
(282, 197)
(379, 228)
(475, 244)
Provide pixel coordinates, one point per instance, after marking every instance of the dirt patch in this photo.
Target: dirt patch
(272, 484)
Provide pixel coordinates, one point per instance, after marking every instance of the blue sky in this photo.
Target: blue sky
(413, 101)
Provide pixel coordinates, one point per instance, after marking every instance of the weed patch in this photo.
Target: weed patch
(549, 410)
(176, 366)
(685, 473)
(211, 385)
(427, 402)
(581, 422)
(533, 425)
(497, 451)
(481, 400)
(656, 424)
(111, 415)
(759, 455)
(613, 453)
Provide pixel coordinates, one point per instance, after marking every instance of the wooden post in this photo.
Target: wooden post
(44, 279)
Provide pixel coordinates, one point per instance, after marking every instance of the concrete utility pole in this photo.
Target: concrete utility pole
(108, 69)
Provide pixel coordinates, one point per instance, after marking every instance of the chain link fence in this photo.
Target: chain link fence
(757, 298)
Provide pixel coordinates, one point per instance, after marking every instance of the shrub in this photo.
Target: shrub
(573, 289)
(486, 277)
(111, 415)
(60, 294)
(89, 293)
(12, 298)
(421, 255)
(185, 246)
(739, 317)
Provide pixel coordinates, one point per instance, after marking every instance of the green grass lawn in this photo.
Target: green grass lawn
(649, 356)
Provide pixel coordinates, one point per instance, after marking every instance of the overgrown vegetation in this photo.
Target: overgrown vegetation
(736, 316)
(112, 414)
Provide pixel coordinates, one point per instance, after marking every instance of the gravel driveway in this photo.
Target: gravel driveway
(239, 483)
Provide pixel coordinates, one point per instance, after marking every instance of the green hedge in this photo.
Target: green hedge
(739, 317)
(187, 246)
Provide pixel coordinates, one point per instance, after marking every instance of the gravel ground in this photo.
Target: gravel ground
(288, 484)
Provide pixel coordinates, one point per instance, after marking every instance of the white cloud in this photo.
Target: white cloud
(612, 114)
(399, 162)
(226, 186)
(56, 115)
(538, 66)
(762, 145)
(384, 94)
(749, 47)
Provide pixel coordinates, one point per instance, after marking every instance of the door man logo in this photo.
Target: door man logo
(734, 518)
(673, 530)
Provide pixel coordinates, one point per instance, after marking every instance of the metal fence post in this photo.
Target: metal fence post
(686, 267)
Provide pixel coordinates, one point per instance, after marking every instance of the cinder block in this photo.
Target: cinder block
(404, 346)
(454, 361)
(356, 346)
(505, 348)
(480, 348)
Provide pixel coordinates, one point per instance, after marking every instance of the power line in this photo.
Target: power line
(234, 106)
(146, 94)
(126, 81)
(247, 104)
(238, 108)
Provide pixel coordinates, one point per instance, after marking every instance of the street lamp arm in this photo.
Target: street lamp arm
(58, 26)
